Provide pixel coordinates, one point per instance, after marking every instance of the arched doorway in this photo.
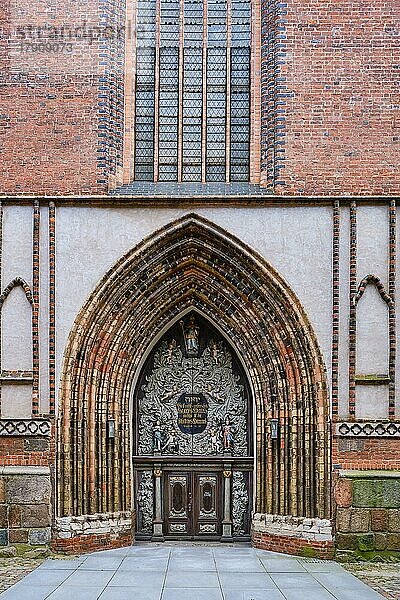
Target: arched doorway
(193, 437)
(191, 264)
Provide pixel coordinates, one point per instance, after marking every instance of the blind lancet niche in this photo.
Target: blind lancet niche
(192, 93)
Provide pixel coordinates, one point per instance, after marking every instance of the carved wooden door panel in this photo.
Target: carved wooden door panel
(206, 504)
(192, 504)
(178, 504)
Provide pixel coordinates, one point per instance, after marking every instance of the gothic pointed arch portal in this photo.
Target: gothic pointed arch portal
(191, 264)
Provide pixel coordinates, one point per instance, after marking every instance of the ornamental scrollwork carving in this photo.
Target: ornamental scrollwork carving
(145, 496)
(240, 501)
(203, 388)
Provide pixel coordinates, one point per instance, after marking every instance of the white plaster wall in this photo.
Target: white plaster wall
(372, 242)
(372, 402)
(17, 244)
(296, 241)
(372, 350)
(372, 334)
(16, 332)
(16, 400)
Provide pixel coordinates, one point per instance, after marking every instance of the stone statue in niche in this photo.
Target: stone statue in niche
(191, 336)
(157, 437)
(227, 434)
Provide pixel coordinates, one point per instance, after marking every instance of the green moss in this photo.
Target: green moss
(365, 542)
(308, 552)
(22, 548)
(373, 556)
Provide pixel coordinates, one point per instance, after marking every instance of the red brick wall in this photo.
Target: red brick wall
(292, 545)
(370, 453)
(334, 126)
(341, 71)
(49, 146)
(91, 543)
(26, 451)
(49, 121)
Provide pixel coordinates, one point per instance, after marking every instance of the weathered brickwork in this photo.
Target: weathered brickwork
(25, 451)
(25, 506)
(366, 453)
(328, 99)
(340, 73)
(292, 545)
(93, 532)
(368, 511)
(293, 535)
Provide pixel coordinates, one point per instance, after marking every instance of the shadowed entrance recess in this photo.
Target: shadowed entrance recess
(191, 264)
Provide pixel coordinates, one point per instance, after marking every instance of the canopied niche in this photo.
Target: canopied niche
(193, 264)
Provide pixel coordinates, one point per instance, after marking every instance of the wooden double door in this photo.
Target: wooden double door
(192, 503)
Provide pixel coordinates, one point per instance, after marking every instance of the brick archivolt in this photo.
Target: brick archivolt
(191, 263)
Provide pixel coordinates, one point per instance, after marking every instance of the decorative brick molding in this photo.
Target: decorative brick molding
(193, 264)
(16, 282)
(294, 535)
(372, 280)
(92, 532)
(52, 308)
(36, 427)
(392, 306)
(335, 305)
(389, 429)
(352, 308)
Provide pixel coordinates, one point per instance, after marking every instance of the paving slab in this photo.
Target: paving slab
(174, 571)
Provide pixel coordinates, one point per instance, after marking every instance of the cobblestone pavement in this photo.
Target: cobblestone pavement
(14, 569)
(383, 578)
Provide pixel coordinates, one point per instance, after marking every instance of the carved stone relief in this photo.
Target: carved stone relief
(192, 405)
(240, 500)
(145, 500)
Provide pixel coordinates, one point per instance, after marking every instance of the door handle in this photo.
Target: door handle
(190, 502)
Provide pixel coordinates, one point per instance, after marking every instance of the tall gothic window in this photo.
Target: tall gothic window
(192, 92)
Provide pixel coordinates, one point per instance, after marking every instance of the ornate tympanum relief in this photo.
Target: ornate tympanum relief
(192, 402)
(240, 501)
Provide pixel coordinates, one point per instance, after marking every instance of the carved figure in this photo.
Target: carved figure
(227, 432)
(214, 351)
(170, 351)
(157, 437)
(171, 443)
(191, 335)
(215, 441)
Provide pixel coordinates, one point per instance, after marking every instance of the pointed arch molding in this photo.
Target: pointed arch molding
(16, 282)
(191, 263)
(374, 280)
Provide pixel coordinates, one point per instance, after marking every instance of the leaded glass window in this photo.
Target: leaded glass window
(192, 94)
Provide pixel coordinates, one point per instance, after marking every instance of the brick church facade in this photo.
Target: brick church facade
(198, 262)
